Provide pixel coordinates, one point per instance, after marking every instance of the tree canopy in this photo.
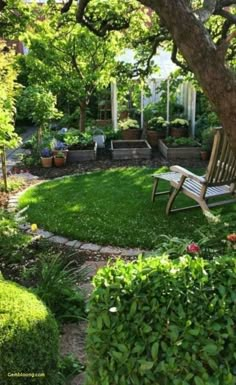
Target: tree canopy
(200, 31)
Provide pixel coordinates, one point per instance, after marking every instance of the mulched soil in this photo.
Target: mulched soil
(129, 144)
(104, 162)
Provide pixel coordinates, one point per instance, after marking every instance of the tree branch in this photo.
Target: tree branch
(66, 6)
(176, 60)
(208, 8)
(224, 45)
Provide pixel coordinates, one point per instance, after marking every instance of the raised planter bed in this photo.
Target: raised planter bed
(130, 149)
(75, 156)
(179, 152)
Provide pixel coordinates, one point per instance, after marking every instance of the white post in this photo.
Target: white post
(168, 101)
(114, 110)
(141, 108)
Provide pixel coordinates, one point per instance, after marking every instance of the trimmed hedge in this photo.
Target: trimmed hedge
(163, 322)
(28, 338)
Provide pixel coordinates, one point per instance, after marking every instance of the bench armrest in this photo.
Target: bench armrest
(188, 174)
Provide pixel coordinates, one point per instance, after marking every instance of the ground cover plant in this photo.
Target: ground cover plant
(28, 338)
(110, 207)
(162, 321)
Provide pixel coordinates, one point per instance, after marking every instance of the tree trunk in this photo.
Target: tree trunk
(205, 60)
(82, 118)
(4, 168)
(39, 138)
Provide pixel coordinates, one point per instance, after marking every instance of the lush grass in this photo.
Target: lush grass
(110, 207)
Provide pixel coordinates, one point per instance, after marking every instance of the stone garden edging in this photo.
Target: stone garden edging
(59, 240)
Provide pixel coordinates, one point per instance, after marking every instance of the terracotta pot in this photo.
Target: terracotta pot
(131, 134)
(46, 162)
(179, 132)
(154, 136)
(65, 152)
(204, 155)
(59, 162)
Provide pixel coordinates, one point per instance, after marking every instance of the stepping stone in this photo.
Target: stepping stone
(90, 247)
(110, 250)
(78, 244)
(24, 227)
(93, 267)
(131, 252)
(44, 234)
(59, 240)
(71, 243)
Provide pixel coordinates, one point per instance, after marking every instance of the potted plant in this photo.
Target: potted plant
(179, 128)
(99, 138)
(207, 142)
(156, 130)
(46, 157)
(59, 159)
(130, 129)
(60, 147)
(204, 153)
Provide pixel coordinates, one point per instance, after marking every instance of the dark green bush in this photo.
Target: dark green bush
(28, 338)
(163, 322)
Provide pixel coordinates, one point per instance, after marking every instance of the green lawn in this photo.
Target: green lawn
(110, 207)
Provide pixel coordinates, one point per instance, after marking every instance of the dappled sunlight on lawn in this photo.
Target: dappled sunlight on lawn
(110, 207)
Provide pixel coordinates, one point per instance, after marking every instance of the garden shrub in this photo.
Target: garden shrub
(159, 322)
(28, 338)
(12, 241)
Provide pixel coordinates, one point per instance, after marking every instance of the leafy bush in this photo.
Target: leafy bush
(179, 123)
(56, 282)
(12, 241)
(161, 321)
(180, 142)
(28, 338)
(157, 123)
(128, 123)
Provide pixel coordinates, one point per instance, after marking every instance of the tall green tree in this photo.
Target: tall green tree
(68, 58)
(8, 89)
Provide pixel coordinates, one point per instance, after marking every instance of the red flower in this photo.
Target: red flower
(231, 237)
(193, 248)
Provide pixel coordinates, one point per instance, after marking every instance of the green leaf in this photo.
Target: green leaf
(154, 350)
(146, 365)
(211, 349)
(198, 381)
(106, 320)
(99, 323)
(117, 355)
(133, 308)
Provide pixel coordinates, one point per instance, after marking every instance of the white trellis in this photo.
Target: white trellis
(186, 93)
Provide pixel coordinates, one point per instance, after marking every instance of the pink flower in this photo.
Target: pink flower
(231, 237)
(193, 248)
